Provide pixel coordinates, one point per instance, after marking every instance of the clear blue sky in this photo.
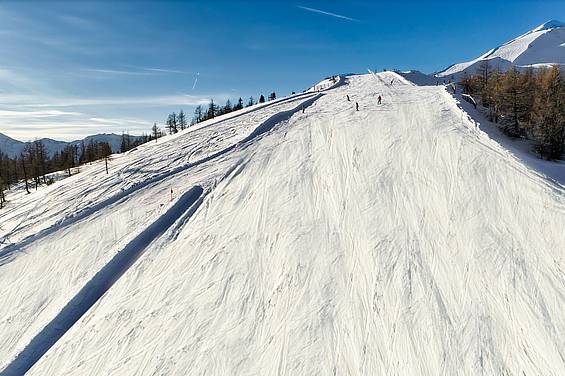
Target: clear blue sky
(70, 69)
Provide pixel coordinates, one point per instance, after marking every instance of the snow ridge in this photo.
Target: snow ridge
(538, 47)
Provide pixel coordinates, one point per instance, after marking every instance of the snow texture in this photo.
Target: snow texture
(399, 239)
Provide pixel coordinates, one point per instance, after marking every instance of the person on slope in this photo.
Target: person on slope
(356, 106)
(348, 98)
(379, 99)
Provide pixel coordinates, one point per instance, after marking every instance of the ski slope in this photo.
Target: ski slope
(397, 240)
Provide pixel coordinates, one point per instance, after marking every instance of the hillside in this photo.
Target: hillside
(14, 148)
(542, 46)
(296, 237)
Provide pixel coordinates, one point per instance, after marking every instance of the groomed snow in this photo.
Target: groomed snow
(397, 240)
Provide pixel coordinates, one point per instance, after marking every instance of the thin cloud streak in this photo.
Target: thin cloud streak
(166, 100)
(30, 115)
(142, 72)
(314, 10)
(121, 72)
(162, 70)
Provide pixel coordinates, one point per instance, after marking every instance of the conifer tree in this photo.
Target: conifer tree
(212, 110)
(23, 162)
(155, 132)
(181, 120)
(549, 115)
(513, 103)
(105, 151)
(198, 114)
(172, 124)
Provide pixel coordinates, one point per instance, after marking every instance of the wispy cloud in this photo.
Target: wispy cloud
(148, 101)
(118, 72)
(29, 115)
(328, 13)
(135, 71)
(161, 70)
(118, 121)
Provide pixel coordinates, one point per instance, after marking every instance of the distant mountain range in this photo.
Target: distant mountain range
(541, 47)
(13, 147)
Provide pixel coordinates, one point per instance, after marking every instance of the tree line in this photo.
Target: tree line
(178, 122)
(528, 104)
(34, 163)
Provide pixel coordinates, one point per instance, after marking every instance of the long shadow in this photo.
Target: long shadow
(100, 284)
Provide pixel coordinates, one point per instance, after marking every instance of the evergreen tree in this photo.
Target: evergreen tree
(198, 114)
(155, 132)
(212, 110)
(123, 144)
(181, 119)
(228, 107)
(172, 124)
(251, 101)
(261, 99)
(239, 104)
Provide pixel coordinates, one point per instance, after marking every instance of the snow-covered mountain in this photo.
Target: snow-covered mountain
(13, 147)
(540, 47)
(295, 237)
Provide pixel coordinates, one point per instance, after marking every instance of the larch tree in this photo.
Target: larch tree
(181, 120)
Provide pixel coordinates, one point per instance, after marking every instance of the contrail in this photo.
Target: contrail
(328, 13)
(195, 81)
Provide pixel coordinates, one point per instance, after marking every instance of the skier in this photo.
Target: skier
(348, 98)
(379, 99)
(391, 81)
(356, 106)
(302, 108)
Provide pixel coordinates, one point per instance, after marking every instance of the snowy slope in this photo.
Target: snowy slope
(542, 46)
(10, 146)
(399, 239)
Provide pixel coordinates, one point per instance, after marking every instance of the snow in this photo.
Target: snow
(552, 24)
(399, 239)
(520, 148)
(540, 46)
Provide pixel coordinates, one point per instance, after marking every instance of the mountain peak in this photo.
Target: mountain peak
(552, 24)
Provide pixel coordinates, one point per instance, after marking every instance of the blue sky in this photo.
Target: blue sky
(69, 69)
